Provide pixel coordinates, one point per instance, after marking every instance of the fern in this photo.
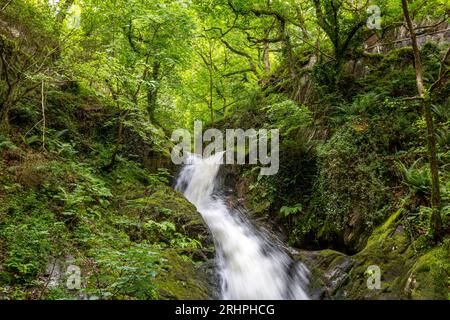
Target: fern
(417, 179)
(6, 144)
(287, 211)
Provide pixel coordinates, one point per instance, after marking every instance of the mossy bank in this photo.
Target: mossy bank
(407, 269)
(123, 230)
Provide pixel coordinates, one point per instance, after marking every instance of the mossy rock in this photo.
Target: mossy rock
(328, 271)
(405, 272)
(431, 275)
(183, 212)
(185, 280)
(188, 273)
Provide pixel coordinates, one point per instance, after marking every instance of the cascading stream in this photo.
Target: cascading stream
(250, 267)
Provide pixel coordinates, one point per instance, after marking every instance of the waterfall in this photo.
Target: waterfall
(249, 265)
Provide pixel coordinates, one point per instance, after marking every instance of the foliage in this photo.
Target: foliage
(30, 243)
(90, 93)
(288, 116)
(128, 273)
(417, 179)
(287, 211)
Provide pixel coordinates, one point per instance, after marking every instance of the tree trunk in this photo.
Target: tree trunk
(4, 119)
(287, 50)
(267, 56)
(435, 220)
(211, 93)
(118, 146)
(211, 84)
(152, 92)
(5, 108)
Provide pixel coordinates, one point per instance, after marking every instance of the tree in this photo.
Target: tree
(24, 63)
(160, 35)
(207, 58)
(424, 97)
(342, 23)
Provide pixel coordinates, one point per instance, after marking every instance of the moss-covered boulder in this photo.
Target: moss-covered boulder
(167, 218)
(407, 272)
(190, 272)
(184, 279)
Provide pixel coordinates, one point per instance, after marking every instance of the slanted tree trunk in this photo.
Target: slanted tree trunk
(4, 119)
(435, 221)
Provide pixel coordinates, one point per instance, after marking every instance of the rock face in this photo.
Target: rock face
(406, 272)
(399, 37)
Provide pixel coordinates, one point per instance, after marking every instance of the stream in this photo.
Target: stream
(249, 264)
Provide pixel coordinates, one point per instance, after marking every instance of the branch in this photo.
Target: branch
(207, 64)
(392, 26)
(413, 98)
(321, 17)
(236, 17)
(433, 25)
(130, 37)
(258, 12)
(255, 41)
(241, 53)
(314, 47)
(351, 34)
(237, 72)
(25, 93)
(6, 5)
(144, 77)
(442, 73)
(43, 113)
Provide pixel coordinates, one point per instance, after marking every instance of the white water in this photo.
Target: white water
(250, 267)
